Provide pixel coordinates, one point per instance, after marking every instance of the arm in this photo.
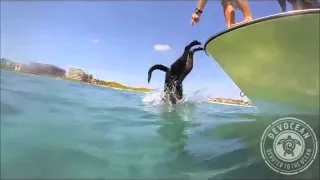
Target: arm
(196, 15)
(283, 5)
(201, 4)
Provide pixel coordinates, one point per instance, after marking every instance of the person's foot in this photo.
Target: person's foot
(237, 24)
(247, 19)
(244, 21)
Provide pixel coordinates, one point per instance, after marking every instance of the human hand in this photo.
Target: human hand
(195, 18)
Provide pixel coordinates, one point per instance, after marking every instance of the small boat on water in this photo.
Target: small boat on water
(274, 60)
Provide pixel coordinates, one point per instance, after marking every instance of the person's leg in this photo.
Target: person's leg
(296, 4)
(283, 5)
(310, 4)
(245, 9)
(228, 11)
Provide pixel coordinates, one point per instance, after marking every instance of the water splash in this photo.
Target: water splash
(191, 97)
(198, 96)
(153, 98)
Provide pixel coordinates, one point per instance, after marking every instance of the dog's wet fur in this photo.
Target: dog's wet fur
(173, 91)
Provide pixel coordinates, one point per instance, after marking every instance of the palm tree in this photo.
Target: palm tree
(85, 78)
(90, 77)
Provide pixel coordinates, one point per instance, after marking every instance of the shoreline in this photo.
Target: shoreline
(209, 101)
(117, 88)
(127, 88)
(229, 104)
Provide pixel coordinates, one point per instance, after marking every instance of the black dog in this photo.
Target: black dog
(176, 73)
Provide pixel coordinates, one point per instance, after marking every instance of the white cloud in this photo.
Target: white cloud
(162, 47)
(95, 41)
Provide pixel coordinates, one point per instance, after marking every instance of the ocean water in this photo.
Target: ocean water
(59, 129)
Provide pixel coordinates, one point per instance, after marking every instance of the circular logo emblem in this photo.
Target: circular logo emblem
(289, 146)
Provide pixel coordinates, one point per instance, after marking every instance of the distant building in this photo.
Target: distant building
(17, 67)
(76, 74)
(94, 81)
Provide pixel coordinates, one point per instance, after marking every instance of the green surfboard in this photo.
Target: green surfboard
(274, 58)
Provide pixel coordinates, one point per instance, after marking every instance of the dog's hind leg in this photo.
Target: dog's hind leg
(189, 64)
(186, 70)
(188, 48)
(183, 59)
(195, 50)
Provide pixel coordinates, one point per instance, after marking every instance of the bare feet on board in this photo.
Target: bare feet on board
(243, 22)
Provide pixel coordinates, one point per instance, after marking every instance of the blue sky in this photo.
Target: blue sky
(116, 40)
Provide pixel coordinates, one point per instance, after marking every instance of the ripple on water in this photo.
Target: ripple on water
(55, 163)
(72, 130)
(7, 110)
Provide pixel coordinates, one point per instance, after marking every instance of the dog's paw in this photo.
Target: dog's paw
(196, 42)
(199, 49)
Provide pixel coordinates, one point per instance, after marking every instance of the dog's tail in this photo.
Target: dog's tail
(156, 67)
